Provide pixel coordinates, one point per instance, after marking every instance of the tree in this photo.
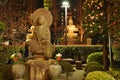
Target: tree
(102, 17)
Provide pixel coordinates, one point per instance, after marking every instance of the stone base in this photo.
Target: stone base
(38, 69)
(72, 41)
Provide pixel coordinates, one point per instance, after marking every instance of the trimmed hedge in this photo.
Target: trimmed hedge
(99, 75)
(79, 52)
(91, 63)
(94, 68)
(96, 56)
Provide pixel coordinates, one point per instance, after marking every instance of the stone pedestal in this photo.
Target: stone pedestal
(79, 65)
(89, 41)
(38, 69)
(72, 41)
(18, 70)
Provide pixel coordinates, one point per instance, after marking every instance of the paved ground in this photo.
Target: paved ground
(77, 75)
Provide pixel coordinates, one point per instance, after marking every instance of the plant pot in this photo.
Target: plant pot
(18, 71)
(55, 71)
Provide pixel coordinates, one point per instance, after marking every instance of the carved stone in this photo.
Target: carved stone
(40, 44)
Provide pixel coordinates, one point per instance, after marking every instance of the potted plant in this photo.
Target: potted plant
(18, 68)
(55, 69)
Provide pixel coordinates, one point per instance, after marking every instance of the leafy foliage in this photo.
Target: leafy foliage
(99, 75)
(93, 17)
(2, 29)
(67, 68)
(116, 51)
(74, 52)
(94, 68)
(7, 51)
(96, 56)
(101, 17)
(91, 63)
(115, 73)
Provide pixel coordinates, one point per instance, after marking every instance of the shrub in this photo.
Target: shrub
(99, 75)
(116, 51)
(67, 68)
(7, 51)
(94, 68)
(96, 56)
(91, 63)
(114, 72)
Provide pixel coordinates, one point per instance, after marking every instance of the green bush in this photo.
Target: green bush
(91, 63)
(7, 51)
(99, 75)
(96, 56)
(116, 51)
(81, 52)
(94, 68)
(67, 68)
(115, 72)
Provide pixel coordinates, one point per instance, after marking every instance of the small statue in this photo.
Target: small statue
(40, 44)
(30, 34)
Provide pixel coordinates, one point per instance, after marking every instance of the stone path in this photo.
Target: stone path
(77, 75)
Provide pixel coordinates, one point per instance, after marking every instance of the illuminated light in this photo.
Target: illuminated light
(92, 17)
(65, 3)
(98, 7)
(91, 31)
(101, 14)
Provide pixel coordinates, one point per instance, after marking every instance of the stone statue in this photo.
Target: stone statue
(40, 44)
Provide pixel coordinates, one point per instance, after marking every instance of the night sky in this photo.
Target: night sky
(39, 4)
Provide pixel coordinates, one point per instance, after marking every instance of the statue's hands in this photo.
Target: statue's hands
(43, 41)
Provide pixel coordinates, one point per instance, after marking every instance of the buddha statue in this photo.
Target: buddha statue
(40, 43)
(71, 29)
